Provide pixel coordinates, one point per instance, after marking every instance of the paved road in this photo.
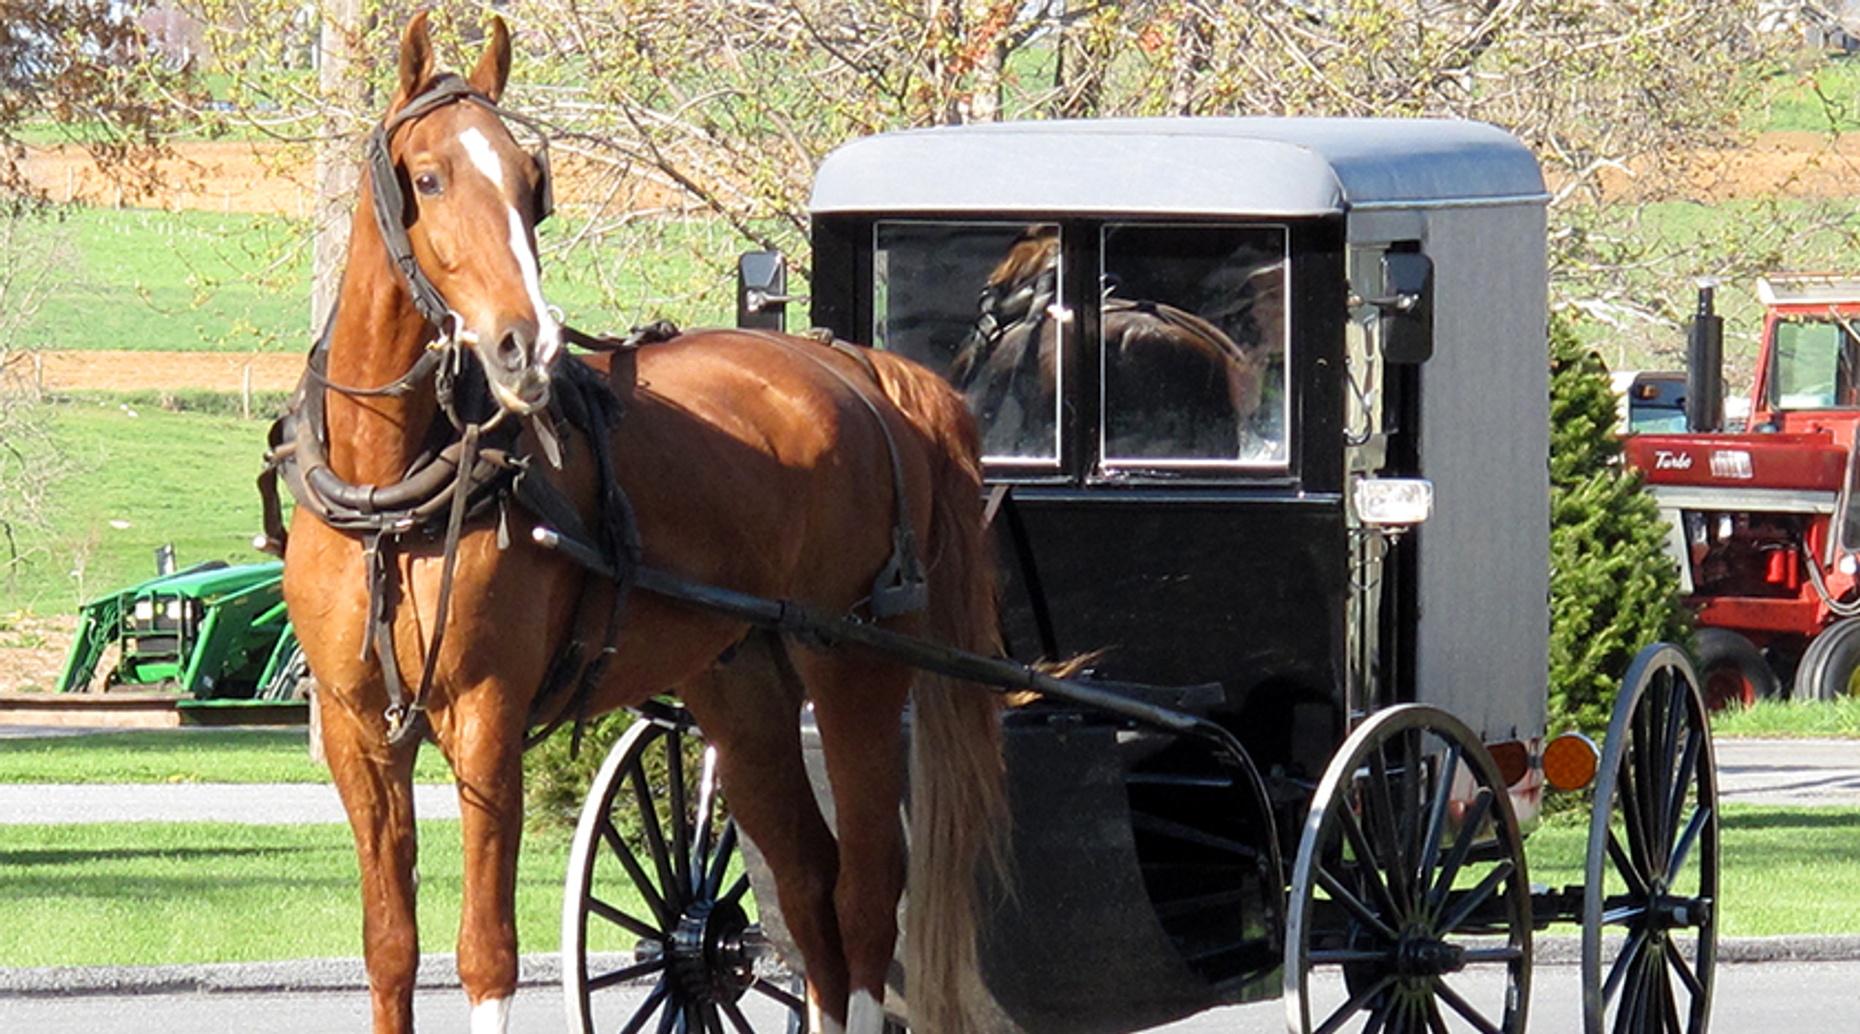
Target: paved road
(1789, 772)
(1750, 998)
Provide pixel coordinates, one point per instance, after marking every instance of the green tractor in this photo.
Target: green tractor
(215, 632)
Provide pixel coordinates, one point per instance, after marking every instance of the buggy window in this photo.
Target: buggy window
(1193, 340)
(979, 303)
(1815, 365)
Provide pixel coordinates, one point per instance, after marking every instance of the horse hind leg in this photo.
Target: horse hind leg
(858, 703)
(749, 709)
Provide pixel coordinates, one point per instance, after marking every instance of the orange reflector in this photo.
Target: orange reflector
(1570, 761)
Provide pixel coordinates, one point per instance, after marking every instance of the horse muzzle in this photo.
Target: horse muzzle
(515, 360)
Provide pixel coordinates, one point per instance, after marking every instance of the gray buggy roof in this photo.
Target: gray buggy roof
(1180, 166)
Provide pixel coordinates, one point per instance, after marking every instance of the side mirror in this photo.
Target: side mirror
(1407, 307)
(762, 291)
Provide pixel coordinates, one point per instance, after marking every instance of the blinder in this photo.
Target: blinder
(391, 195)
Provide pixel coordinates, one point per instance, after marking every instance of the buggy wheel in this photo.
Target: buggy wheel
(1410, 872)
(656, 897)
(1652, 873)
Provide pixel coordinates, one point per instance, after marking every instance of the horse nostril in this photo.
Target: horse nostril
(510, 352)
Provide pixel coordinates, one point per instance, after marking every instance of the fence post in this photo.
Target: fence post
(245, 391)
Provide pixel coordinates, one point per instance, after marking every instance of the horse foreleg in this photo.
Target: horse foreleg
(376, 785)
(857, 706)
(485, 746)
(751, 714)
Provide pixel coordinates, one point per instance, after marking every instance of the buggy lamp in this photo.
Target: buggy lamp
(1570, 761)
(1394, 503)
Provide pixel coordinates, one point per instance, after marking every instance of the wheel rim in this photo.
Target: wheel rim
(1725, 685)
(655, 834)
(1391, 898)
(1649, 932)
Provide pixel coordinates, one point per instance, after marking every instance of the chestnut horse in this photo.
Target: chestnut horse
(753, 462)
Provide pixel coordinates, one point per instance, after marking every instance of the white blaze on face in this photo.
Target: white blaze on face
(491, 1016)
(548, 333)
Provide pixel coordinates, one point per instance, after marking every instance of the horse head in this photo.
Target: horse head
(455, 190)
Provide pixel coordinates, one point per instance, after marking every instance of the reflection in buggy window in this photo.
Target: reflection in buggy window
(998, 347)
(1194, 336)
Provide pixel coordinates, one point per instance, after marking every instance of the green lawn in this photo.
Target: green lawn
(180, 756)
(138, 477)
(1785, 871)
(1782, 719)
(197, 281)
(149, 893)
(1824, 97)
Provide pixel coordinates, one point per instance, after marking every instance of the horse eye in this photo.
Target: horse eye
(427, 183)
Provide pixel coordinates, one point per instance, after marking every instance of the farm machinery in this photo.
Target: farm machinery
(1762, 522)
(216, 632)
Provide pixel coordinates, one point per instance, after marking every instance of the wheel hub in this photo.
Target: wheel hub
(712, 953)
(1419, 956)
(1669, 912)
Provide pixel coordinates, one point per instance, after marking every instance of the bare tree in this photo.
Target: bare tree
(687, 127)
(30, 463)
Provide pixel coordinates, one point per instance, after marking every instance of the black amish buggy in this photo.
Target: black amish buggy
(1264, 414)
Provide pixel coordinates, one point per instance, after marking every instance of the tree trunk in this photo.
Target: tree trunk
(341, 79)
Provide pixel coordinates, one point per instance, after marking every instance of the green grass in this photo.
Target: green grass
(180, 756)
(140, 279)
(150, 893)
(1824, 97)
(1782, 719)
(178, 281)
(139, 477)
(1785, 870)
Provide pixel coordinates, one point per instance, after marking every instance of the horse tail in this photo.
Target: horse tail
(958, 791)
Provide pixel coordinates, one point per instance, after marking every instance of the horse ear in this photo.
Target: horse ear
(416, 60)
(494, 67)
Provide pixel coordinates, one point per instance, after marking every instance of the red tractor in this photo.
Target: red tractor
(1763, 522)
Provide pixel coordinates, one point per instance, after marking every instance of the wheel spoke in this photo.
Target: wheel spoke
(1684, 847)
(1682, 780)
(1669, 1008)
(1481, 956)
(1680, 966)
(1383, 825)
(636, 927)
(1669, 757)
(720, 862)
(1630, 950)
(1446, 993)
(713, 1023)
(681, 831)
(701, 843)
(654, 999)
(1345, 956)
(1636, 883)
(1466, 905)
(655, 835)
(767, 989)
(641, 882)
(1632, 1012)
(672, 1019)
(1367, 864)
(1629, 796)
(1462, 845)
(1437, 815)
(1342, 1015)
(736, 891)
(1434, 1022)
(1354, 905)
(626, 973)
(737, 1019)
(1379, 1016)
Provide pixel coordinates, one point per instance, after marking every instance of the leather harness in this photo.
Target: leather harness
(476, 463)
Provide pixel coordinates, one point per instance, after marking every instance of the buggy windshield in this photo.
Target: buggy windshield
(1816, 364)
(1189, 350)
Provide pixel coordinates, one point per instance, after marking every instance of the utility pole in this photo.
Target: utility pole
(342, 81)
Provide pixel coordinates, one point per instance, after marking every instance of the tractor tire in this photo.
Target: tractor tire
(1732, 672)
(1830, 664)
